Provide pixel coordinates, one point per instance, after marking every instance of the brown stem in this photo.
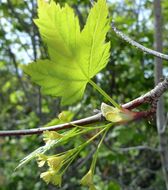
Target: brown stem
(89, 120)
(150, 97)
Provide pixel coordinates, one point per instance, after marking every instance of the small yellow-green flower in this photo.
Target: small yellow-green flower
(41, 160)
(57, 180)
(87, 180)
(56, 162)
(51, 135)
(51, 176)
(48, 176)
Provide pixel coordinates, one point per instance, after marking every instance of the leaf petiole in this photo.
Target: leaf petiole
(104, 94)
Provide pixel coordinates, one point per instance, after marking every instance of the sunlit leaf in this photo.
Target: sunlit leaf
(74, 56)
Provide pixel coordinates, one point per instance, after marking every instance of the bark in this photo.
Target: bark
(158, 75)
(150, 97)
(136, 44)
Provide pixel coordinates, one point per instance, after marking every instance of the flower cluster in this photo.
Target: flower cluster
(55, 163)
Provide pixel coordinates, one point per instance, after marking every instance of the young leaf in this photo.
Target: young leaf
(74, 56)
(115, 114)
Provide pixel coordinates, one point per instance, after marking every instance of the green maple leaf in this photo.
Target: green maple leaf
(75, 56)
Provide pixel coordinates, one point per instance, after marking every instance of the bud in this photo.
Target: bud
(87, 180)
(41, 160)
(51, 135)
(66, 116)
(114, 114)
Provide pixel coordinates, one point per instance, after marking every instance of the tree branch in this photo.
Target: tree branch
(141, 147)
(89, 120)
(137, 45)
(150, 97)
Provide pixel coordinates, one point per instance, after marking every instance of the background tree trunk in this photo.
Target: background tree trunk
(158, 75)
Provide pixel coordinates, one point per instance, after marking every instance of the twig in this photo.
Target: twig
(138, 148)
(150, 97)
(137, 45)
(81, 122)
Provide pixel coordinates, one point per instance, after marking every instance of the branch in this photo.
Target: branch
(89, 120)
(137, 45)
(150, 97)
(141, 147)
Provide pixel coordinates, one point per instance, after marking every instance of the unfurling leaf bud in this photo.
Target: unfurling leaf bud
(116, 115)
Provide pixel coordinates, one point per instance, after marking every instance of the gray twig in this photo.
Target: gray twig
(141, 147)
(137, 45)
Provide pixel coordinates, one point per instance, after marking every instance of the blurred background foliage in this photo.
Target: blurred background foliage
(129, 158)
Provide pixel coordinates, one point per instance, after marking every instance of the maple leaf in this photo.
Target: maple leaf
(75, 56)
